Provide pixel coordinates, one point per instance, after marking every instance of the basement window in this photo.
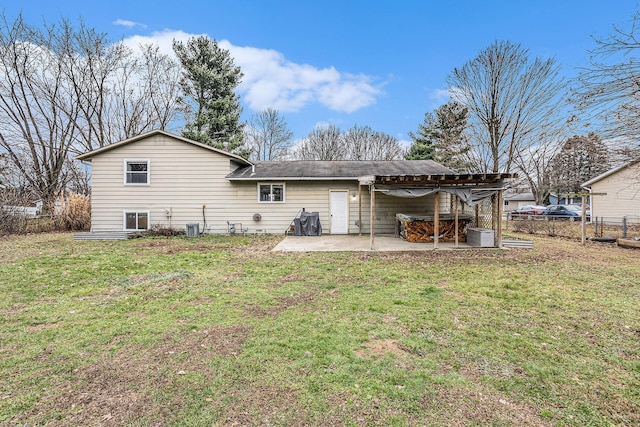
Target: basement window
(271, 193)
(136, 220)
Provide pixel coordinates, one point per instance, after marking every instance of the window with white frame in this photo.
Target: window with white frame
(271, 193)
(136, 172)
(136, 220)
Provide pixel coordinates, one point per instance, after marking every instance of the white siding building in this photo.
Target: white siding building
(164, 180)
(620, 193)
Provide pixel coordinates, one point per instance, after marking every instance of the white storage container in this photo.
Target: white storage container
(480, 237)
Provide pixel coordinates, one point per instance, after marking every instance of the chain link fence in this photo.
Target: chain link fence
(597, 227)
(17, 217)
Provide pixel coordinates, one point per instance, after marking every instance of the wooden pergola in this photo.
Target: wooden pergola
(492, 183)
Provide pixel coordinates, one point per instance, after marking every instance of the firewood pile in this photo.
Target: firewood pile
(421, 231)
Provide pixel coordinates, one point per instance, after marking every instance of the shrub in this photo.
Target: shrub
(162, 231)
(75, 213)
(14, 219)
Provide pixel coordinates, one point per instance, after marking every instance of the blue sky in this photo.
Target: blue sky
(376, 63)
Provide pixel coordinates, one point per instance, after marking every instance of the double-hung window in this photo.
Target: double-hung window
(136, 172)
(271, 193)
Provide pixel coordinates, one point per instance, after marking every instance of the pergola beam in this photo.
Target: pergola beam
(439, 182)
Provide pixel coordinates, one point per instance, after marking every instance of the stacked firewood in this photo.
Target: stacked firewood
(418, 231)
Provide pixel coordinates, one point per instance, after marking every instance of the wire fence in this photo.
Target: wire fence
(12, 223)
(571, 227)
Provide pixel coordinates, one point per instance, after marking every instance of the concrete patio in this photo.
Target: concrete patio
(353, 243)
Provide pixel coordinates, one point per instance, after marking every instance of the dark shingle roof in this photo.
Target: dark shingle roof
(327, 170)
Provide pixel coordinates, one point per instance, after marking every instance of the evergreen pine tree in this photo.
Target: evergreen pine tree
(208, 82)
(441, 137)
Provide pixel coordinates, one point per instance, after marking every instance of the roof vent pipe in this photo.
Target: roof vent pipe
(253, 169)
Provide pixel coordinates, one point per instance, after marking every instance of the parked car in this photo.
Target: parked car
(566, 212)
(524, 211)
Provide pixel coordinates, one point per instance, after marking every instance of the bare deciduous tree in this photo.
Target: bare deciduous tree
(358, 143)
(323, 143)
(161, 76)
(510, 100)
(66, 89)
(37, 113)
(268, 136)
(534, 163)
(122, 94)
(608, 89)
(363, 143)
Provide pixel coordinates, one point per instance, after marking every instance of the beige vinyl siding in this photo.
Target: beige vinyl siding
(623, 194)
(313, 196)
(185, 177)
(277, 216)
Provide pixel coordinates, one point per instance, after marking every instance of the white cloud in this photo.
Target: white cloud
(440, 96)
(164, 40)
(128, 24)
(322, 125)
(404, 143)
(459, 95)
(270, 80)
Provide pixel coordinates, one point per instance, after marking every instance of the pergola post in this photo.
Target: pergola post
(455, 199)
(359, 209)
(499, 220)
(372, 190)
(436, 220)
(584, 221)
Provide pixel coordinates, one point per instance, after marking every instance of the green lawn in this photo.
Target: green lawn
(221, 331)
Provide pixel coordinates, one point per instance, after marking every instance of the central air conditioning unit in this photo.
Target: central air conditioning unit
(193, 229)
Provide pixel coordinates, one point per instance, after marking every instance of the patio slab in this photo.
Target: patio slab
(352, 243)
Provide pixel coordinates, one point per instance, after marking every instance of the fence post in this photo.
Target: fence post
(624, 227)
(595, 226)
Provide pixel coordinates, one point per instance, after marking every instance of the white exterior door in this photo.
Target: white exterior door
(339, 212)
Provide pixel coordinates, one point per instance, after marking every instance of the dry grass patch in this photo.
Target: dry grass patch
(478, 406)
(122, 387)
(380, 347)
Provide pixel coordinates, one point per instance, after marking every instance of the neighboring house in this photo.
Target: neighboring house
(561, 199)
(33, 210)
(616, 192)
(514, 201)
(167, 180)
(20, 210)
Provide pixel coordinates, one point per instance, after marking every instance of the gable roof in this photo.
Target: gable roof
(519, 197)
(335, 169)
(610, 172)
(89, 155)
